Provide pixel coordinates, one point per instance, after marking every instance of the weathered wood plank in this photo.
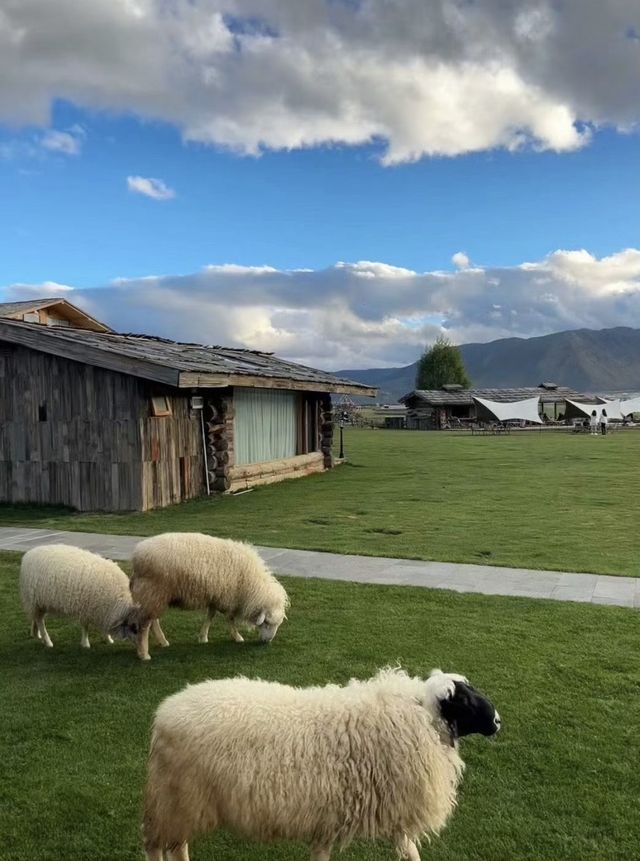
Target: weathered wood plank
(189, 379)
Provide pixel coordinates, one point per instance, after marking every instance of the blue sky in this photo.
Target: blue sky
(372, 174)
(73, 220)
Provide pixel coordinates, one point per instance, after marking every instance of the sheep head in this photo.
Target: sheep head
(462, 708)
(267, 621)
(129, 625)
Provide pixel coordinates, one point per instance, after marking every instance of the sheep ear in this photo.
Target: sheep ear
(260, 620)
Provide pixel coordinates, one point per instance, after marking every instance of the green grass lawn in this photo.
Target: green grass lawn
(560, 782)
(555, 501)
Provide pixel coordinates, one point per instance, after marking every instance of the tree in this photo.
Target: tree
(441, 365)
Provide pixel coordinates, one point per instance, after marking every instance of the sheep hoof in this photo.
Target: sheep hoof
(145, 657)
(203, 639)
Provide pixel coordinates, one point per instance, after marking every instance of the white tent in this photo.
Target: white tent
(630, 406)
(613, 409)
(513, 410)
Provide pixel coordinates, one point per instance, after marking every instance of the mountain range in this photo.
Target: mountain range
(589, 360)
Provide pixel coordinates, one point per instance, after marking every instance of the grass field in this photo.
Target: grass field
(560, 782)
(554, 501)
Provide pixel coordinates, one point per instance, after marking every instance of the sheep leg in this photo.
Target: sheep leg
(154, 854)
(42, 631)
(158, 633)
(235, 633)
(84, 642)
(109, 639)
(143, 643)
(35, 633)
(409, 850)
(181, 853)
(321, 853)
(203, 637)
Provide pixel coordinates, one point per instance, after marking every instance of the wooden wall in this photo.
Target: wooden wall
(172, 457)
(69, 433)
(72, 434)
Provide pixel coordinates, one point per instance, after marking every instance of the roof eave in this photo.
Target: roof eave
(190, 379)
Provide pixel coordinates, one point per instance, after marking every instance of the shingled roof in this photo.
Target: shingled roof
(463, 397)
(176, 364)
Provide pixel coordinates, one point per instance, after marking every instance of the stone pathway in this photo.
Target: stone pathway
(483, 579)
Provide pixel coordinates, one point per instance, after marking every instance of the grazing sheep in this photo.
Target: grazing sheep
(68, 581)
(198, 572)
(323, 765)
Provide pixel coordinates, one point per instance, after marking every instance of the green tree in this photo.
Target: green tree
(441, 365)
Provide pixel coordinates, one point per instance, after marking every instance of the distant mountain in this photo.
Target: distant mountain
(588, 360)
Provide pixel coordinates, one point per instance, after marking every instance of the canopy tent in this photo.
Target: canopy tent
(630, 406)
(511, 411)
(576, 410)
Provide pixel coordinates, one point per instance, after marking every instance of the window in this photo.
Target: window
(265, 425)
(31, 317)
(42, 412)
(160, 406)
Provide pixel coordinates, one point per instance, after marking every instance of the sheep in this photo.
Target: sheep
(199, 572)
(68, 581)
(322, 765)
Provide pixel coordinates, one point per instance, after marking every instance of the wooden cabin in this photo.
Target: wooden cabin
(101, 421)
(437, 409)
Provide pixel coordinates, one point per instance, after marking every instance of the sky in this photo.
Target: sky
(336, 181)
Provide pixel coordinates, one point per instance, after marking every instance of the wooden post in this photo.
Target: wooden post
(326, 430)
(220, 448)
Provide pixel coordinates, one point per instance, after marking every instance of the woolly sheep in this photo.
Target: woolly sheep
(68, 581)
(323, 765)
(199, 572)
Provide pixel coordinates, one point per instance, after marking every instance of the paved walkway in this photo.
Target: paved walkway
(483, 579)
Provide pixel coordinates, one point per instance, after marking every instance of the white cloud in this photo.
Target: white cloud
(368, 314)
(66, 142)
(460, 260)
(150, 187)
(420, 78)
(46, 289)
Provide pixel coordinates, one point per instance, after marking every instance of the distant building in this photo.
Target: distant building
(103, 421)
(434, 409)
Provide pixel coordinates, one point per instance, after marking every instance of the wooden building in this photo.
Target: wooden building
(112, 422)
(51, 312)
(436, 409)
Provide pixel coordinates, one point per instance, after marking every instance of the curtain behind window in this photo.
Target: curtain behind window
(264, 425)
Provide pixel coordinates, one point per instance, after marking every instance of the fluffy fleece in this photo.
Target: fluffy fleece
(199, 572)
(67, 581)
(323, 765)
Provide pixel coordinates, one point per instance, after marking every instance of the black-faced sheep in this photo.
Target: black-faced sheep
(199, 572)
(323, 765)
(74, 583)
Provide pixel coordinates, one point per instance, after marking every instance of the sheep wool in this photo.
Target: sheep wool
(323, 765)
(67, 581)
(199, 572)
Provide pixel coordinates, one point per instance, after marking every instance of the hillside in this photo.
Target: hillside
(588, 360)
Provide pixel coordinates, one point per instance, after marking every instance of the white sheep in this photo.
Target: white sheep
(199, 572)
(74, 583)
(322, 765)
